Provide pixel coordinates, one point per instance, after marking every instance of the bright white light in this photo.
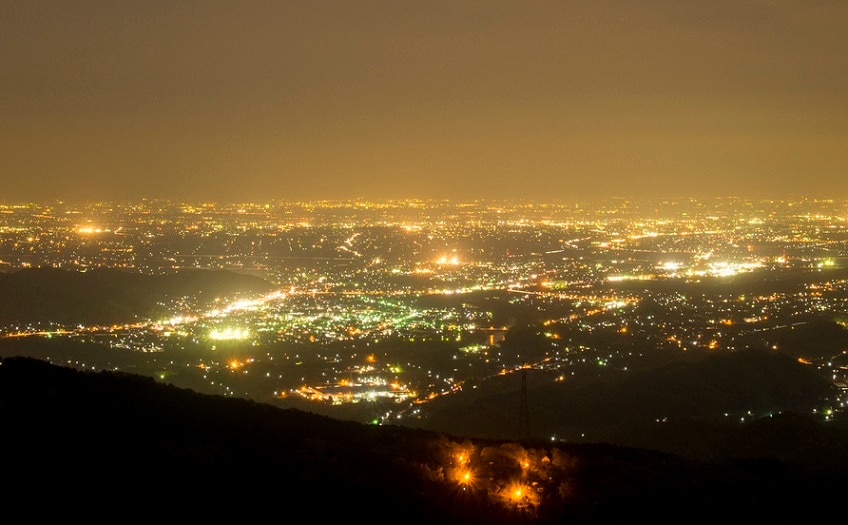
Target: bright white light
(229, 333)
(453, 260)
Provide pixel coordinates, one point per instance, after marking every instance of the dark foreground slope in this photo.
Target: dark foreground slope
(113, 445)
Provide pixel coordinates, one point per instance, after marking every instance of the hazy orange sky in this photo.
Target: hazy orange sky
(258, 100)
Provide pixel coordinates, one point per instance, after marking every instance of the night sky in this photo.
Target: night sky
(256, 100)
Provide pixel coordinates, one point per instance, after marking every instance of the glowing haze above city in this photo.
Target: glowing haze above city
(566, 100)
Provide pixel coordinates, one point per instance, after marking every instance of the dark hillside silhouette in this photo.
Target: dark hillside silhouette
(95, 444)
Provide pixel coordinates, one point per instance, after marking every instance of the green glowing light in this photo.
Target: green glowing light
(229, 333)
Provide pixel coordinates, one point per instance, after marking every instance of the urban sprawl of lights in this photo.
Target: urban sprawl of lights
(404, 301)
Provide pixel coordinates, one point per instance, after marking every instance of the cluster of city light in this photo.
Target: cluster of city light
(249, 305)
(88, 230)
(713, 269)
(676, 269)
(177, 320)
(369, 389)
(726, 269)
(641, 277)
(229, 333)
(450, 260)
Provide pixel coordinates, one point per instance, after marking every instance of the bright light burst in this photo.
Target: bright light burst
(520, 495)
(463, 476)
